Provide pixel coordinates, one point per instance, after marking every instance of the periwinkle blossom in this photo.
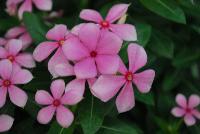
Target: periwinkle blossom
(187, 109)
(10, 77)
(12, 52)
(14, 7)
(58, 35)
(69, 95)
(6, 122)
(107, 86)
(93, 52)
(124, 31)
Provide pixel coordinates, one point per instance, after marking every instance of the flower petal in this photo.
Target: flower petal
(15, 32)
(64, 69)
(6, 122)
(74, 49)
(64, 116)
(45, 115)
(178, 112)
(137, 57)
(26, 40)
(25, 7)
(74, 92)
(189, 120)
(196, 113)
(122, 67)
(42, 97)
(58, 32)
(107, 64)
(14, 46)
(17, 96)
(86, 68)
(25, 60)
(89, 35)
(109, 43)
(3, 94)
(45, 5)
(57, 88)
(91, 15)
(75, 30)
(3, 53)
(144, 80)
(181, 100)
(194, 101)
(5, 69)
(43, 50)
(107, 86)
(126, 32)
(22, 76)
(116, 12)
(2, 41)
(125, 100)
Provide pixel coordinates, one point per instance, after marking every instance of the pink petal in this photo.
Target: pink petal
(43, 50)
(75, 30)
(25, 60)
(3, 94)
(17, 96)
(178, 112)
(58, 32)
(6, 122)
(116, 12)
(89, 35)
(57, 88)
(64, 116)
(189, 120)
(85, 69)
(125, 100)
(107, 86)
(25, 7)
(22, 76)
(196, 113)
(181, 100)
(56, 59)
(42, 97)
(109, 43)
(122, 68)
(144, 80)
(2, 41)
(107, 64)
(74, 92)
(15, 32)
(5, 69)
(137, 57)
(45, 5)
(3, 53)
(91, 15)
(45, 115)
(194, 101)
(14, 46)
(126, 32)
(64, 69)
(74, 49)
(26, 40)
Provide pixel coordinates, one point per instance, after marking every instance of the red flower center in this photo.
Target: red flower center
(104, 24)
(188, 110)
(129, 76)
(56, 103)
(6, 83)
(11, 58)
(93, 54)
(61, 42)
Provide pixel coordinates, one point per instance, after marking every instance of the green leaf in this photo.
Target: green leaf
(162, 45)
(35, 27)
(57, 129)
(166, 8)
(147, 98)
(91, 113)
(123, 53)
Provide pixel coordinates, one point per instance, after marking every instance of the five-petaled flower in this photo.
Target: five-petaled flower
(107, 86)
(6, 122)
(187, 109)
(55, 103)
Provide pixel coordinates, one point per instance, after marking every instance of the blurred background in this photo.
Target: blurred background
(169, 30)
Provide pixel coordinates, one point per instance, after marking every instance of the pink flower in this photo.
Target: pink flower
(94, 52)
(12, 53)
(6, 122)
(187, 109)
(125, 31)
(26, 6)
(58, 36)
(107, 86)
(10, 77)
(21, 33)
(3, 41)
(73, 95)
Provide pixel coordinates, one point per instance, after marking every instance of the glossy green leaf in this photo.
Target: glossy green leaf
(57, 129)
(147, 98)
